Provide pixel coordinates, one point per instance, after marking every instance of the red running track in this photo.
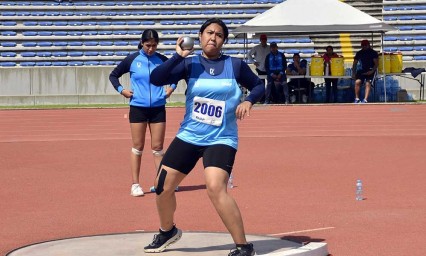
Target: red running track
(66, 173)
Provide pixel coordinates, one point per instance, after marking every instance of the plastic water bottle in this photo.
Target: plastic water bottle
(358, 194)
(327, 69)
(231, 181)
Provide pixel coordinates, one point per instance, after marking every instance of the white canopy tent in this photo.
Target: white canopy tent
(297, 17)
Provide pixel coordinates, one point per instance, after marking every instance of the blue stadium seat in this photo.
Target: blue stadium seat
(8, 54)
(231, 51)
(390, 49)
(420, 48)
(166, 22)
(45, 33)
(134, 43)
(23, 13)
(133, 23)
(419, 7)
(106, 43)
(81, 13)
(27, 64)
(75, 33)
(104, 23)
(91, 63)
(119, 32)
(419, 17)
(37, 13)
(223, 11)
(7, 14)
(419, 58)
(59, 43)
(405, 48)
(108, 3)
(7, 64)
(152, 13)
(23, 3)
(122, 53)
(8, 33)
(59, 33)
(7, 3)
(121, 43)
(52, 13)
(169, 42)
(122, 3)
(91, 43)
(60, 23)
(30, 23)
(105, 32)
(134, 32)
(89, 23)
(9, 23)
(106, 53)
(307, 51)
(43, 63)
(181, 22)
(419, 37)
(43, 54)
(106, 63)
(91, 53)
(75, 23)
(44, 44)
(405, 17)
(75, 54)
(118, 23)
(208, 12)
(405, 28)
(30, 33)
(147, 23)
(390, 38)
(59, 54)
(110, 13)
(28, 54)
(291, 51)
(90, 33)
(390, 18)
(304, 40)
(289, 40)
(8, 44)
(419, 27)
(29, 44)
(95, 13)
(75, 43)
(59, 63)
(75, 63)
(124, 13)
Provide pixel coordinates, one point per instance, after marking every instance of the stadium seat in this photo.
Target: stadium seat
(81, 13)
(27, 64)
(105, 32)
(45, 33)
(59, 43)
(75, 23)
(91, 43)
(147, 23)
(91, 53)
(91, 63)
(30, 23)
(8, 33)
(59, 54)
(75, 63)
(106, 43)
(89, 23)
(44, 44)
(52, 13)
(419, 7)
(60, 23)
(75, 54)
(23, 13)
(8, 44)
(43, 63)
(419, 27)
(133, 23)
(59, 63)
(121, 43)
(106, 53)
(75, 33)
(75, 43)
(7, 14)
(29, 44)
(122, 53)
(43, 54)
(106, 63)
(405, 48)
(118, 23)
(419, 37)
(9, 23)
(28, 54)
(119, 32)
(90, 33)
(8, 54)
(59, 33)
(419, 58)
(7, 64)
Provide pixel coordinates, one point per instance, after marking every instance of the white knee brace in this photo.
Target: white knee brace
(136, 151)
(158, 153)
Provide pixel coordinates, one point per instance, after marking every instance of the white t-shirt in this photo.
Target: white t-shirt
(258, 54)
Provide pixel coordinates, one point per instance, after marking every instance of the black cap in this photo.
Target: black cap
(273, 44)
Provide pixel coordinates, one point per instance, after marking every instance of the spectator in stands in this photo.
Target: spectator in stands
(275, 66)
(258, 54)
(147, 102)
(330, 83)
(364, 68)
(209, 130)
(60, 1)
(299, 86)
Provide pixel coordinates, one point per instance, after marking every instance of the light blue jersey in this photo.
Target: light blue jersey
(211, 102)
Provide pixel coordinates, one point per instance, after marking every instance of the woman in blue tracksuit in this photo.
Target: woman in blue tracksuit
(209, 130)
(147, 102)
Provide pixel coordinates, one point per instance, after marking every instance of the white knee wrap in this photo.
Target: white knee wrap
(136, 151)
(158, 153)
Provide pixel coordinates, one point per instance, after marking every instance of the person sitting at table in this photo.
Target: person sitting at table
(369, 61)
(298, 68)
(275, 65)
(330, 83)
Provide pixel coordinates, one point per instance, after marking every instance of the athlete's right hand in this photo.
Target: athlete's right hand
(183, 53)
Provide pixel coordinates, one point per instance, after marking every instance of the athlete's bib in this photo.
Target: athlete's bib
(208, 111)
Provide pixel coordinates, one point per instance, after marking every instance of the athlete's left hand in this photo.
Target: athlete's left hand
(243, 109)
(169, 91)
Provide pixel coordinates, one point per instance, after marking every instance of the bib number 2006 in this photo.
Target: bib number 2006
(208, 111)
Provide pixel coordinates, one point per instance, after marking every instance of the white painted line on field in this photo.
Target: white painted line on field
(301, 231)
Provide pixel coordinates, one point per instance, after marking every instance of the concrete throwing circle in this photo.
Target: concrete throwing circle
(129, 244)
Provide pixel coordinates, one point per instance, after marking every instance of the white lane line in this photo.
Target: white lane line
(301, 231)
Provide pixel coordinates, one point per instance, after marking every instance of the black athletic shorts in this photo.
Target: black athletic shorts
(364, 78)
(183, 156)
(147, 115)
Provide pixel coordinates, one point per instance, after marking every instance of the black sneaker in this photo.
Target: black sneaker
(163, 240)
(246, 250)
